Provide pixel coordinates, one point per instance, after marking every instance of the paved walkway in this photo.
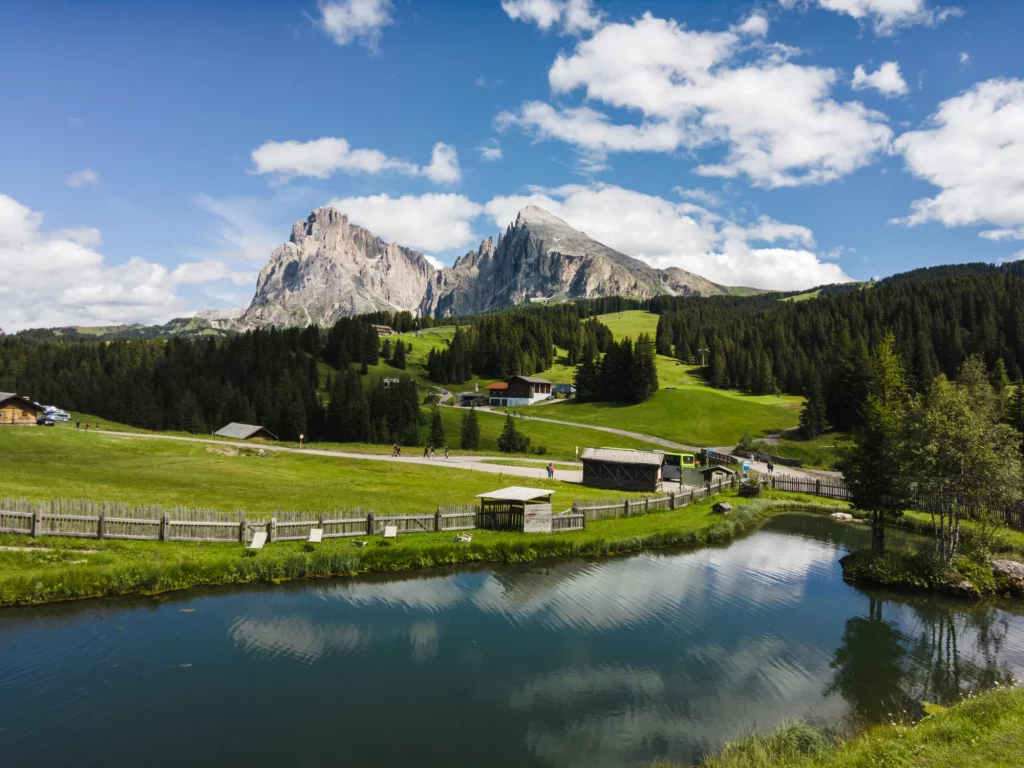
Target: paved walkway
(474, 463)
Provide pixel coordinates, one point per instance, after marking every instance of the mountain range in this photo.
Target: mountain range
(331, 268)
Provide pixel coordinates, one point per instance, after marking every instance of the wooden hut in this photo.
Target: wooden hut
(622, 470)
(18, 410)
(516, 509)
(245, 432)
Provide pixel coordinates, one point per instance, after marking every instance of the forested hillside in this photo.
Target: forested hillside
(939, 317)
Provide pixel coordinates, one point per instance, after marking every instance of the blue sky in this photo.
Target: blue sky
(152, 154)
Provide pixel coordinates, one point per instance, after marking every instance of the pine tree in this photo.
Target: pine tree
(812, 418)
(1016, 414)
(512, 440)
(398, 356)
(1000, 379)
(436, 428)
(470, 436)
(643, 375)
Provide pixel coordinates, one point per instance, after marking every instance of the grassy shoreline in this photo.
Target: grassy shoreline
(70, 569)
(983, 730)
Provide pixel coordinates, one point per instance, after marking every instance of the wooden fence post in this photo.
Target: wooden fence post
(165, 527)
(647, 503)
(323, 524)
(272, 530)
(627, 508)
(672, 500)
(437, 519)
(817, 487)
(37, 521)
(369, 523)
(101, 524)
(241, 528)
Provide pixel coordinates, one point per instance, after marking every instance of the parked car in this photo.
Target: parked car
(55, 413)
(44, 421)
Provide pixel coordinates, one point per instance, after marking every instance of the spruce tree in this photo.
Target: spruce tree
(470, 435)
(398, 356)
(511, 440)
(436, 428)
(812, 419)
(1000, 379)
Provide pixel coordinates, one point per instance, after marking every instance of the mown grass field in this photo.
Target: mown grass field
(41, 463)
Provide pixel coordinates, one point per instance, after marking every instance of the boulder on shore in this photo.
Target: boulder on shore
(1009, 576)
(841, 516)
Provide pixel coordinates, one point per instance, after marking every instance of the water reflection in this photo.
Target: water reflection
(577, 663)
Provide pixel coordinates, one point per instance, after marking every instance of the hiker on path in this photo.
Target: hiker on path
(431, 451)
(87, 426)
(446, 451)
(426, 451)
(78, 425)
(551, 471)
(771, 467)
(394, 450)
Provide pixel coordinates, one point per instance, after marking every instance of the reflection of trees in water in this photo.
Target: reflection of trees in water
(946, 652)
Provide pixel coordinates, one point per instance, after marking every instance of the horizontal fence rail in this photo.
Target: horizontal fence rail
(610, 508)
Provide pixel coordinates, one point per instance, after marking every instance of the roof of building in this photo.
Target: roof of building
(497, 385)
(242, 431)
(5, 396)
(716, 468)
(531, 379)
(516, 493)
(624, 456)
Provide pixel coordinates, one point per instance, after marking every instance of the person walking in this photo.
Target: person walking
(426, 451)
(551, 471)
(394, 450)
(446, 451)
(78, 425)
(431, 451)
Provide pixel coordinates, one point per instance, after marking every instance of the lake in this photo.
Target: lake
(611, 662)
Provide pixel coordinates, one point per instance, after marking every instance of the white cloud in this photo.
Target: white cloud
(696, 89)
(669, 234)
(756, 25)
(1018, 256)
(87, 236)
(208, 271)
(699, 195)
(323, 157)
(1003, 234)
(71, 283)
(575, 16)
(490, 151)
(432, 222)
(965, 58)
(887, 16)
(244, 234)
(444, 165)
(887, 80)
(433, 261)
(83, 177)
(972, 149)
(347, 21)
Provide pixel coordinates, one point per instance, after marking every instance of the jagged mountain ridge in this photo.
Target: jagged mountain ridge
(331, 268)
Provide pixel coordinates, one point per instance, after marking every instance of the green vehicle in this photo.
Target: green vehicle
(675, 463)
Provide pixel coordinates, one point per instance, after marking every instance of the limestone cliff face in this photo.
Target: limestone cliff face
(330, 269)
(542, 258)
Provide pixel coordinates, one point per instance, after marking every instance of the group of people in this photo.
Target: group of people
(78, 425)
(428, 452)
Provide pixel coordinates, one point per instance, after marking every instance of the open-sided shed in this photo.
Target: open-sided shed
(621, 469)
(516, 509)
(245, 432)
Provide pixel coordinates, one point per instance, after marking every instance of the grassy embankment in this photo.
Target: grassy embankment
(38, 463)
(983, 731)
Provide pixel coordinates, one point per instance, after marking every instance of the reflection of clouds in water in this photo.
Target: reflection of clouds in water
(425, 637)
(297, 637)
(675, 712)
(571, 686)
(432, 594)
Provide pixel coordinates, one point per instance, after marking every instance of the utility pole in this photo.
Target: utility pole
(703, 351)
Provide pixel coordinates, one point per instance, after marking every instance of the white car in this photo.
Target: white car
(56, 414)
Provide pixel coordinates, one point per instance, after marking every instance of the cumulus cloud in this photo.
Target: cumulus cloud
(432, 222)
(965, 58)
(433, 261)
(699, 195)
(777, 120)
(83, 177)
(490, 151)
(972, 149)
(328, 155)
(360, 21)
(71, 283)
(574, 16)
(444, 165)
(886, 16)
(887, 80)
(763, 254)
(209, 270)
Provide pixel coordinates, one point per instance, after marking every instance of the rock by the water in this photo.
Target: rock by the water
(1009, 576)
(962, 588)
(841, 516)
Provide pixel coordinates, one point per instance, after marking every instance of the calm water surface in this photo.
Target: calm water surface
(576, 663)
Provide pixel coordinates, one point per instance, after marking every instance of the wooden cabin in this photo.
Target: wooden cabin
(17, 410)
(519, 390)
(622, 470)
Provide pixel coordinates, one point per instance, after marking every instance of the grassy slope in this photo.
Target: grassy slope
(39, 463)
(984, 731)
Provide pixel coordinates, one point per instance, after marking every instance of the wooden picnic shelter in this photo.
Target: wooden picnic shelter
(516, 509)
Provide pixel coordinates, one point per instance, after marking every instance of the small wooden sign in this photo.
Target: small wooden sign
(537, 518)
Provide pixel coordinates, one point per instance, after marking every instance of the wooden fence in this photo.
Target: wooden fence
(713, 458)
(782, 461)
(609, 508)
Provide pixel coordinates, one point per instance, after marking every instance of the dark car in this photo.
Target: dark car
(44, 421)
